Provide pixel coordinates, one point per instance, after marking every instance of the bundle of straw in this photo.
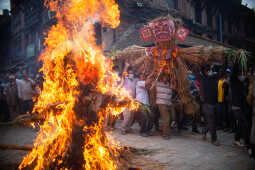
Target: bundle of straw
(198, 55)
(201, 55)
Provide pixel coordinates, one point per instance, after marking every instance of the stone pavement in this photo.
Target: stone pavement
(184, 151)
(187, 151)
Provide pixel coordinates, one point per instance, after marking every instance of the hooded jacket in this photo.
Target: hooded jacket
(210, 88)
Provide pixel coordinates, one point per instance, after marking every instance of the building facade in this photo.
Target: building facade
(210, 24)
(29, 20)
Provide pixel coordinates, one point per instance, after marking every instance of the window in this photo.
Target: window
(230, 29)
(209, 18)
(198, 14)
(139, 4)
(172, 4)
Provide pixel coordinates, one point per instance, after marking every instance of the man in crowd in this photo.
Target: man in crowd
(152, 98)
(194, 92)
(251, 150)
(129, 83)
(230, 115)
(25, 92)
(239, 106)
(3, 102)
(144, 115)
(12, 97)
(209, 92)
(110, 119)
(222, 117)
(179, 110)
(164, 102)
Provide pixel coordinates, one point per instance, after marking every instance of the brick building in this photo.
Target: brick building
(210, 24)
(29, 20)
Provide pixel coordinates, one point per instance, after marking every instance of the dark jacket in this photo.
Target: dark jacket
(200, 79)
(237, 88)
(226, 90)
(12, 95)
(210, 90)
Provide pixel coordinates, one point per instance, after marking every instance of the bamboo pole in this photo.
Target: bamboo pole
(23, 120)
(198, 55)
(15, 147)
(26, 119)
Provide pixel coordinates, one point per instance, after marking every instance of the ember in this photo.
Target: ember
(79, 89)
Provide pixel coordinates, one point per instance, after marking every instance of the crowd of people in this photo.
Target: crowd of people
(225, 96)
(226, 103)
(17, 92)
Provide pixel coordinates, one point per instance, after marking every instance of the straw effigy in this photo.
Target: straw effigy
(198, 55)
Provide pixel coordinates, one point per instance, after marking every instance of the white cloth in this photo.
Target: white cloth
(129, 85)
(142, 93)
(163, 94)
(25, 90)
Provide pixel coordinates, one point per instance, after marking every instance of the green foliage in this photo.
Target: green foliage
(230, 54)
(243, 59)
(238, 55)
(146, 109)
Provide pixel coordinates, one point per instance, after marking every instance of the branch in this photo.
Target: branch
(15, 147)
(23, 120)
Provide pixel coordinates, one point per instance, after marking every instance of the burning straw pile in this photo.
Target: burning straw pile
(79, 89)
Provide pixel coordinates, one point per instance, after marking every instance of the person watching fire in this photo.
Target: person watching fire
(129, 83)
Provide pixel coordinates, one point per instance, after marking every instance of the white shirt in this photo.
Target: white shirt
(129, 85)
(25, 90)
(142, 93)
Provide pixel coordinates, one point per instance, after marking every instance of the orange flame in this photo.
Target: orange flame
(74, 36)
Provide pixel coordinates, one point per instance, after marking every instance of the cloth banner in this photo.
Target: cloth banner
(146, 34)
(181, 33)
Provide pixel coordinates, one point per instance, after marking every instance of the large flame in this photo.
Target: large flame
(74, 36)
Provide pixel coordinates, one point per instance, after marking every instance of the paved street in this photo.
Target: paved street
(181, 152)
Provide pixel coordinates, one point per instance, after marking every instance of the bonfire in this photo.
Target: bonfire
(79, 89)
